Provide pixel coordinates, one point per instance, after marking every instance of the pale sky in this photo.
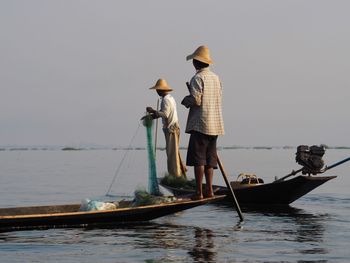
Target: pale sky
(74, 72)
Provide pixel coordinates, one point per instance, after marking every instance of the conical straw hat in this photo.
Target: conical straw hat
(161, 84)
(202, 54)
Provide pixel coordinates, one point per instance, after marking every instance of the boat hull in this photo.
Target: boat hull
(69, 216)
(276, 193)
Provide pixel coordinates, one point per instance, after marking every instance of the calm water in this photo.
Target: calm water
(315, 228)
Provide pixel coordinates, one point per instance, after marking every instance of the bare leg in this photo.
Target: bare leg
(198, 173)
(209, 171)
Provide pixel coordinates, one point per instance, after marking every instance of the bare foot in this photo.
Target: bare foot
(208, 195)
(196, 197)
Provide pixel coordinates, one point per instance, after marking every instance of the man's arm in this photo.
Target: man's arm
(156, 114)
(196, 93)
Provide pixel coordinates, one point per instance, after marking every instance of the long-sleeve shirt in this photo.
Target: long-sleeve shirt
(168, 112)
(205, 115)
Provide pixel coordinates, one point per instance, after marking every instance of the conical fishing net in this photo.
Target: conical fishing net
(153, 186)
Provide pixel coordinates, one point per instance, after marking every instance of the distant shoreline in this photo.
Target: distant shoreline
(138, 148)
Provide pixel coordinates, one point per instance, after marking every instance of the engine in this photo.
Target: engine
(310, 158)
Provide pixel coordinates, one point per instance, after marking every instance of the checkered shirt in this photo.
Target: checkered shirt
(205, 115)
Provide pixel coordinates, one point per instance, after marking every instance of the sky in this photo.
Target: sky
(78, 72)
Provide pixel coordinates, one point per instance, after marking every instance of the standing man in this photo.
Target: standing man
(171, 127)
(204, 122)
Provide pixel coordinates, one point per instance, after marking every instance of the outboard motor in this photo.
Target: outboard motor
(310, 158)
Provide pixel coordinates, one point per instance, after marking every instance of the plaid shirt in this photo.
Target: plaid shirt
(205, 102)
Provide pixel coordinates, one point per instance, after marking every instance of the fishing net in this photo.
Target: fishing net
(142, 197)
(178, 182)
(153, 186)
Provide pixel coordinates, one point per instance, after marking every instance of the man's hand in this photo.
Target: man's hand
(150, 110)
(154, 114)
(188, 87)
(187, 101)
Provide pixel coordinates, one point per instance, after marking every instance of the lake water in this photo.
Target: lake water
(315, 228)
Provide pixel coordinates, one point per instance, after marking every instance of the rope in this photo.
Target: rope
(121, 162)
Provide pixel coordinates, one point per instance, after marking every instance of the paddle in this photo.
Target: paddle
(238, 209)
(325, 169)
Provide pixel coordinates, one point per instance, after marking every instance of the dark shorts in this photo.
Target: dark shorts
(202, 150)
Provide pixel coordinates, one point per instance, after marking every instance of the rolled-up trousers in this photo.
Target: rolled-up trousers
(174, 161)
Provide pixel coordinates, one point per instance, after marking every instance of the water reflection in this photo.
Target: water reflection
(196, 241)
(290, 224)
(283, 231)
(199, 245)
(204, 249)
(120, 241)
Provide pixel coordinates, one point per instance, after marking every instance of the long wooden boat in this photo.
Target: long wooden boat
(277, 193)
(69, 215)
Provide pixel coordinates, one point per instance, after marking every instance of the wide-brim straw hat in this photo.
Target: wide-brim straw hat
(201, 54)
(161, 84)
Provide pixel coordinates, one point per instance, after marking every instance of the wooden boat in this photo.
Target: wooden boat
(252, 190)
(281, 192)
(69, 215)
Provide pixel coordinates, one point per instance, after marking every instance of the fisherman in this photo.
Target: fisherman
(171, 127)
(205, 121)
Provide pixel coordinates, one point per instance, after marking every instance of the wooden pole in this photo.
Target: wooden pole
(156, 132)
(235, 202)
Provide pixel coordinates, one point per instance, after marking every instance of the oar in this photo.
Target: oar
(326, 169)
(238, 209)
